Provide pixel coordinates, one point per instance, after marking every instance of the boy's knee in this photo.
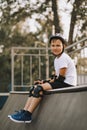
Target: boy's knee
(31, 91)
(36, 91)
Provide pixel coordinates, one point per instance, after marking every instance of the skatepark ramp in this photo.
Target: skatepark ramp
(65, 109)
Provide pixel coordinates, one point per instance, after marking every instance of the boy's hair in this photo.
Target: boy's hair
(57, 36)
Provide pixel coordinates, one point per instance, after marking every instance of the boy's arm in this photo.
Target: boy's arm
(62, 71)
(61, 76)
(53, 77)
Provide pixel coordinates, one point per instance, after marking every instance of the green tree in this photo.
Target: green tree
(78, 15)
(56, 16)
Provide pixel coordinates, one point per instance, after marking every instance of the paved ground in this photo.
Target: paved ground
(64, 111)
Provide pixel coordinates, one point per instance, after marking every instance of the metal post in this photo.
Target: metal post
(39, 65)
(22, 70)
(30, 70)
(47, 62)
(12, 69)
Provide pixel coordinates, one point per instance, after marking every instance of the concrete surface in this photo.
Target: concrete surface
(60, 111)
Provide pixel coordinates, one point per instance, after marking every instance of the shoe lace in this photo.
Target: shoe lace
(18, 111)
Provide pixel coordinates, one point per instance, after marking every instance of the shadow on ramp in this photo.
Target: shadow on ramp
(59, 111)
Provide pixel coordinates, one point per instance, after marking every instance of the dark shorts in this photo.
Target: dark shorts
(57, 84)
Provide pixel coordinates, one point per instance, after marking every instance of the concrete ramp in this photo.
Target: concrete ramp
(60, 111)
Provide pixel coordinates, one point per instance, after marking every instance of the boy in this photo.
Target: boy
(65, 76)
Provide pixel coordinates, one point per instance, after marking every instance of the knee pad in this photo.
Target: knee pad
(37, 91)
(31, 91)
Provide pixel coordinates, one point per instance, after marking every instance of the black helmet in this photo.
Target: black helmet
(57, 36)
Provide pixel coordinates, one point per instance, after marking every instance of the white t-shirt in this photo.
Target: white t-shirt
(65, 61)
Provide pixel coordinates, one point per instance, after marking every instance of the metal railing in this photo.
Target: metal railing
(32, 63)
(79, 54)
(39, 55)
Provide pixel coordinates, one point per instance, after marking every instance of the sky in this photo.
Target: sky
(65, 10)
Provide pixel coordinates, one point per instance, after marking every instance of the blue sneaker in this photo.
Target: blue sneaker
(22, 118)
(17, 113)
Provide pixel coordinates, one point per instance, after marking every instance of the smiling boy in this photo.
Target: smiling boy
(65, 76)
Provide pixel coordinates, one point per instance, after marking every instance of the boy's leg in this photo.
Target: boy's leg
(35, 101)
(31, 104)
(29, 100)
(34, 104)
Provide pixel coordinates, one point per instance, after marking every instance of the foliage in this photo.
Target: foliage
(78, 20)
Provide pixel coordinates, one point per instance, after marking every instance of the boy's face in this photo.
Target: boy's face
(56, 47)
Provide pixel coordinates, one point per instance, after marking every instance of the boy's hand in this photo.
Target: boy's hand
(38, 81)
